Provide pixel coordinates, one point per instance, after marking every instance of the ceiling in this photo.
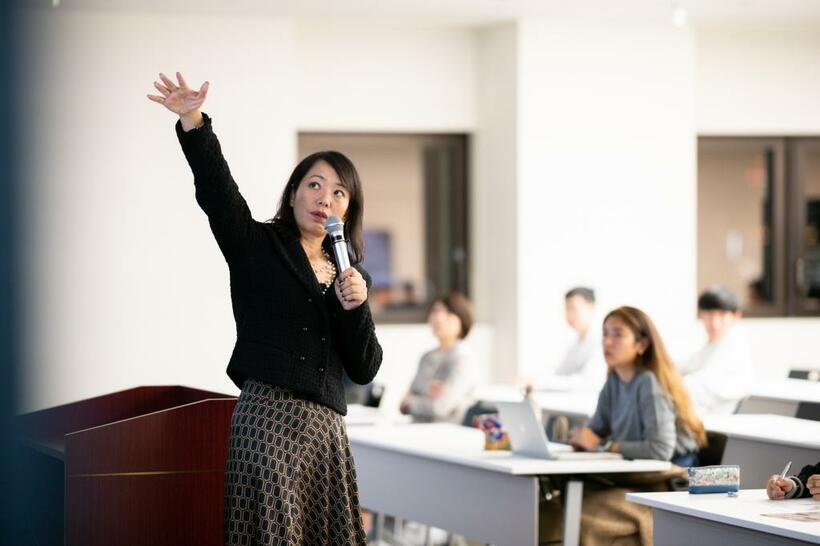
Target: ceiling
(471, 13)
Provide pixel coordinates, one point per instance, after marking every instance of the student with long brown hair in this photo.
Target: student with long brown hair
(644, 411)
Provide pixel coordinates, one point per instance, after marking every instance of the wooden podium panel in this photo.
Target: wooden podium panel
(139, 467)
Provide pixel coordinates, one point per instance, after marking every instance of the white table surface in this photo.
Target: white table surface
(465, 446)
(580, 403)
(742, 511)
(772, 429)
(795, 390)
(358, 414)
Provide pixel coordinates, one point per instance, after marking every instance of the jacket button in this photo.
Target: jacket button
(304, 329)
(321, 369)
(324, 339)
(310, 300)
(302, 358)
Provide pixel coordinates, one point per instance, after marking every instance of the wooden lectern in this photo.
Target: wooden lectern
(143, 466)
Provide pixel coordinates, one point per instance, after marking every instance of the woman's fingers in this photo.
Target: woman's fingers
(162, 89)
(182, 83)
(203, 91)
(349, 287)
(168, 83)
(156, 98)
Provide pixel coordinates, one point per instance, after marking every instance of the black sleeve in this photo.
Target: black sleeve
(358, 346)
(216, 192)
(807, 471)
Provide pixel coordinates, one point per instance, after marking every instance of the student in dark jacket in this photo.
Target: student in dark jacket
(805, 484)
(300, 322)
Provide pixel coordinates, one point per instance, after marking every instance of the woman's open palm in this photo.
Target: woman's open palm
(178, 97)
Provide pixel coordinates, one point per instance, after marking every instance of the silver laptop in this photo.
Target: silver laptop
(529, 439)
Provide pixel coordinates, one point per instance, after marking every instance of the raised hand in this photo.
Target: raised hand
(178, 97)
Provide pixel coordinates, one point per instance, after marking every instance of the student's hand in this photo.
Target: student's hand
(351, 289)
(404, 407)
(585, 439)
(813, 485)
(777, 487)
(181, 99)
(435, 390)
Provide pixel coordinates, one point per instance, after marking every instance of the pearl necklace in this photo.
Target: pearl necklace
(327, 270)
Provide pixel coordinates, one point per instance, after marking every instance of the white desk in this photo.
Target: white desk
(761, 444)
(439, 474)
(682, 519)
(780, 397)
(359, 415)
(573, 404)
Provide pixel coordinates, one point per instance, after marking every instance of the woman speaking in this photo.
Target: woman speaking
(300, 322)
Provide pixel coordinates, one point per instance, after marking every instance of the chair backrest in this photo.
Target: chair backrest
(479, 408)
(806, 374)
(375, 395)
(713, 452)
(808, 410)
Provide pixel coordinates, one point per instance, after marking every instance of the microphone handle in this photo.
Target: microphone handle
(342, 259)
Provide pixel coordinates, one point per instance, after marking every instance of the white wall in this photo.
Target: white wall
(384, 77)
(494, 195)
(606, 185)
(126, 286)
(581, 132)
(758, 81)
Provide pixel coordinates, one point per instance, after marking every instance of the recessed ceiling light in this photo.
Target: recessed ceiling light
(678, 16)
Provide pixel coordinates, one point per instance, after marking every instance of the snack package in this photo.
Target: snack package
(495, 437)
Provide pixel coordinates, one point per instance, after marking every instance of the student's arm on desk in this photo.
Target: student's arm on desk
(598, 427)
(804, 485)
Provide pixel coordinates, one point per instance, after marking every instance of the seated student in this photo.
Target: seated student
(718, 376)
(582, 367)
(805, 484)
(442, 387)
(643, 409)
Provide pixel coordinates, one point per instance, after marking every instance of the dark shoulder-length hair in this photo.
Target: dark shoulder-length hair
(349, 178)
(457, 304)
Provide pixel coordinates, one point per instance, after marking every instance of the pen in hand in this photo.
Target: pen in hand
(785, 470)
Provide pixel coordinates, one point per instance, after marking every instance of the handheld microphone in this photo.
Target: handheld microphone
(336, 230)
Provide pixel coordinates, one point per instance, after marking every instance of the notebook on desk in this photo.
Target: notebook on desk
(529, 439)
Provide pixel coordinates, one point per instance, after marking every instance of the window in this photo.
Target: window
(758, 222)
(415, 215)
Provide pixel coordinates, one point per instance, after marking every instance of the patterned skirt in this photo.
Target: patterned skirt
(290, 478)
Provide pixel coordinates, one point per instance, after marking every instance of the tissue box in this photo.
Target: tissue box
(714, 479)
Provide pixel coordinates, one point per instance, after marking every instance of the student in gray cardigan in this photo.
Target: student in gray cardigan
(443, 385)
(644, 411)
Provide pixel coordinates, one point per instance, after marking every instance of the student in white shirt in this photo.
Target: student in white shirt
(718, 376)
(583, 366)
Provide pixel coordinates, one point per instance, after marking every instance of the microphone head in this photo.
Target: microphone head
(334, 226)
